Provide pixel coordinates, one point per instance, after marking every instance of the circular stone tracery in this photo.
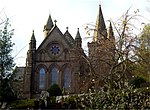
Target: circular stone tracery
(55, 50)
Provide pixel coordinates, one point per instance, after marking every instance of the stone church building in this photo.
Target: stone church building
(61, 59)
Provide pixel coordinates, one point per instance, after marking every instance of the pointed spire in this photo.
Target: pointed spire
(111, 34)
(33, 36)
(78, 40)
(100, 20)
(78, 35)
(110, 31)
(32, 44)
(49, 23)
(100, 28)
(48, 26)
(111, 38)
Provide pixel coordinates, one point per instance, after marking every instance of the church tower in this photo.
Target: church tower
(99, 49)
(30, 68)
(100, 34)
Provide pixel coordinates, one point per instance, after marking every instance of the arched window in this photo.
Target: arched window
(54, 75)
(67, 78)
(42, 78)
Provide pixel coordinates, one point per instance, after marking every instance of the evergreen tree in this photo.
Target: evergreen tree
(6, 61)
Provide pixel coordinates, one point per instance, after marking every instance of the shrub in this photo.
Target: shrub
(54, 90)
(127, 98)
(22, 104)
(137, 82)
(6, 92)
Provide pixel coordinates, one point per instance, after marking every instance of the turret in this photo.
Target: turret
(48, 26)
(78, 40)
(30, 68)
(32, 44)
(32, 50)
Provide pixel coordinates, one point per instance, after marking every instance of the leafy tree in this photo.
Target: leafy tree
(7, 93)
(125, 44)
(117, 93)
(120, 66)
(142, 65)
(6, 61)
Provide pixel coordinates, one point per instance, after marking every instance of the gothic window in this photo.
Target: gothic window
(54, 75)
(67, 78)
(42, 78)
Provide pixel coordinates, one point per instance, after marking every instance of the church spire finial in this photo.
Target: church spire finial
(99, 2)
(55, 21)
(49, 12)
(67, 28)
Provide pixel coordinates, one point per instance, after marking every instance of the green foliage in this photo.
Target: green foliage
(54, 90)
(130, 58)
(6, 62)
(22, 104)
(72, 102)
(117, 99)
(145, 36)
(6, 93)
(142, 66)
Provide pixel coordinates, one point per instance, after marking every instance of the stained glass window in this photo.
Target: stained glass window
(42, 79)
(54, 75)
(55, 50)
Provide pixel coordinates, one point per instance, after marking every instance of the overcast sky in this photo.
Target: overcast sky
(28, 15)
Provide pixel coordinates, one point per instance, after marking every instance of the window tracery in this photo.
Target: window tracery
(42, 78)
(54, 74)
